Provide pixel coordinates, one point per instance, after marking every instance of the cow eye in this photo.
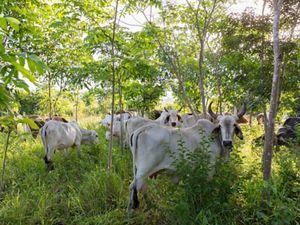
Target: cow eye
(167, 119)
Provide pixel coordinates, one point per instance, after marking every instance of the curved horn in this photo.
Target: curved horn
(166, 109)
(242, 110)
(211, 113)
(180, 109)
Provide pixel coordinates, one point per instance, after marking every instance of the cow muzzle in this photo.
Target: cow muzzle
(173, 124)
(228, 144)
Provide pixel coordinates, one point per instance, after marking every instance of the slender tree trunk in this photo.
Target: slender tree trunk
(49, 95)
(202, 35)
(122, 116)
(76, 108)
(56, 99)
(109, 163)
(4, 160)
(201, 75)
(267, 156)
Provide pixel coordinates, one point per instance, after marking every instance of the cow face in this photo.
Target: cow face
(94, 137)
(227, 126)
(173, 118)
(106, 121)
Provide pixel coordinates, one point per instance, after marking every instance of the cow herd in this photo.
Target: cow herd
(156, 144)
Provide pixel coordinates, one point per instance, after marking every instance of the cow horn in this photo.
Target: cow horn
(180, 109)
(242, 111)
(211, 113)
(166, 109)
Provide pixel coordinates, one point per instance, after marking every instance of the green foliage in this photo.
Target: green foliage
(80, 191)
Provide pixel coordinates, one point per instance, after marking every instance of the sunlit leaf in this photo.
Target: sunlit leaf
(2, 49)
(24, 71)
(31, 65)
(14, 23)
(3, 23)
(31, 123)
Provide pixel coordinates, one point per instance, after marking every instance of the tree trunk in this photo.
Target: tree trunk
(76, 108)
(109, 162)
(202, 34)
(267, 156)
(122, 116)
(201, 75)
(4, 160)
(49, 95)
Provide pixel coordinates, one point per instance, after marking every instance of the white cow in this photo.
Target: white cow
(167, 118)
(155, 148)
(107, 119)
(188, 120)
(60, 135)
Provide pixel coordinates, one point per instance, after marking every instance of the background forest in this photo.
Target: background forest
(74, 58)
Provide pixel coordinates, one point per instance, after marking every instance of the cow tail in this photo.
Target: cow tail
(44, 139)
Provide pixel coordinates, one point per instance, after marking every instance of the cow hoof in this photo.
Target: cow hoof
(50, 167)
(134, 201)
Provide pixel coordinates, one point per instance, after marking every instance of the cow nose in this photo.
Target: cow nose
(173, 124)
(227, 143)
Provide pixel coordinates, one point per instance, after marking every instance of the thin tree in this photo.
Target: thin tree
(176, 67)
(4, 159)
(202, 33)
(49, 94)
(267, 156)
(109, 162)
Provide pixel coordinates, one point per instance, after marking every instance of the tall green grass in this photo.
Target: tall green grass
(81, 191)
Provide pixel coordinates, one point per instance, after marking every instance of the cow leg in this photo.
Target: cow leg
(133, 197)
(135, 186)
(66, 153)
(49, 153)
(78, 150)
(49, 163)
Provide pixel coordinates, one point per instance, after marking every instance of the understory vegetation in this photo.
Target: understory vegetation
(81, 191)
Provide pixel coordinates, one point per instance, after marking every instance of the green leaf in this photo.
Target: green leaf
(39, 65)
(57, 23)
(21, 61)
(31, 65)
(13, 22)
(3, 23)
(21, 84)
(2, 49)
(31, 123)
(24, 71)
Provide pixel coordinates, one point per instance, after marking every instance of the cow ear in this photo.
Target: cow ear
(238, 132)
(167, 119)
(179, 118)
(216, 131)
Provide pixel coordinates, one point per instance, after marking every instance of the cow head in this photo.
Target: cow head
(227, 126)
(172, 117)
(285, 136)
(106, 121)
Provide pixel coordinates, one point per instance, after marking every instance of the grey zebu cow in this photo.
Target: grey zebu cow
(107, 119)
(169, 117)
(189, 120)
(155, 148)
(60, 135)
